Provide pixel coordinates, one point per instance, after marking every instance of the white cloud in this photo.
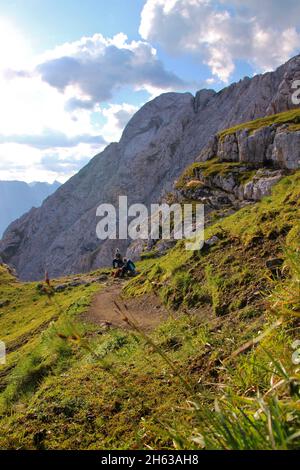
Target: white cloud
(35, 128)
(117, 116)
(63, 163)
(29, 106)
(19, 162)
(50, 103)
(96, 67)
(263, 32)
(49, 139)
(275, 13)
(26, 163)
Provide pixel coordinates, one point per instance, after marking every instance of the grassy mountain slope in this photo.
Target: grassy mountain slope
(29, 315)
(218, 374)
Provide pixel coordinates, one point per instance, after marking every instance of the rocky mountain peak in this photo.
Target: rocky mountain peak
(159, 142)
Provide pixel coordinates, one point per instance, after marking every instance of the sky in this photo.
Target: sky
(73, 72)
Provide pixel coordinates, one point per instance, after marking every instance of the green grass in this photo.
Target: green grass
(211, 168)
(28, 327)
(192, 383)
(289, 117)
(237, 265)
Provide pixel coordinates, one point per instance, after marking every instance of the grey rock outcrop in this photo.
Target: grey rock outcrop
(228, 189)
(164, 136)
(135, 249)
(274, 144)
(261, 185)
(286, 149)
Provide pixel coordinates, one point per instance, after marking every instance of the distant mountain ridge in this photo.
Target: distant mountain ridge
(165, 136)
(18, 197)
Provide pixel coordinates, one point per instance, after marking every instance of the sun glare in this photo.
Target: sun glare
(14, 50)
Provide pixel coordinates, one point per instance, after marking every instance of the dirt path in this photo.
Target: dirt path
(146, 311)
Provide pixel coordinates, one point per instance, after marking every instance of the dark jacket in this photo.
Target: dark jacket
(118, 263)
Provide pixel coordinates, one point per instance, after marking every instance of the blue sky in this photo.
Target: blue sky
(68, 20)
(73, 72)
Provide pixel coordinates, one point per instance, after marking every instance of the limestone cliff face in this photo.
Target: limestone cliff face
(275, 144)
(163, 137)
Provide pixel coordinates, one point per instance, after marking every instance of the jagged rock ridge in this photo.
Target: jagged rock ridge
(163, 137)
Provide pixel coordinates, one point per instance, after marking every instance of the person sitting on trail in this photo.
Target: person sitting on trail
(118, 264)
(129, 267)
(118, 261)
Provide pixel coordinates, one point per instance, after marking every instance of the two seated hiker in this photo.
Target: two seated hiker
(123, 266)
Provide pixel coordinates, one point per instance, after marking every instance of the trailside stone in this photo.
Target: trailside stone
(261, 185)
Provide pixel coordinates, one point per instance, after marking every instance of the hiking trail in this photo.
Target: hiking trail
(146, 311)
